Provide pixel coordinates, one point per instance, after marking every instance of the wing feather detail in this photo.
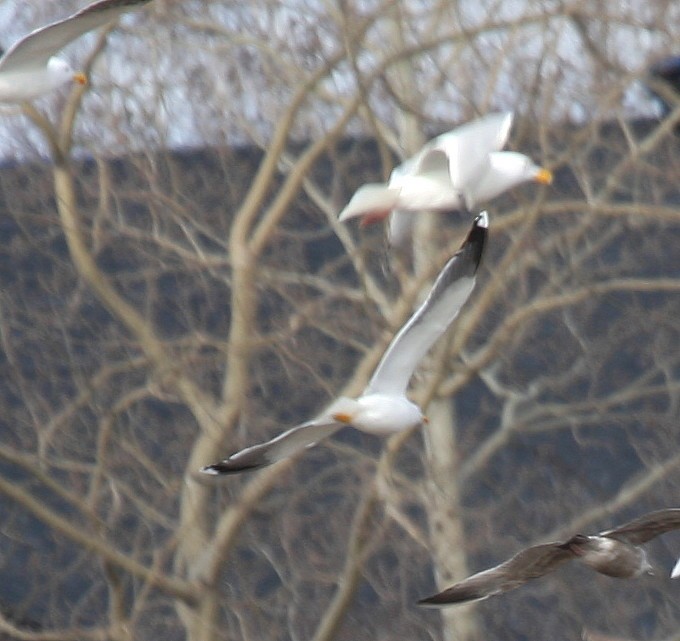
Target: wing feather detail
(467, 147)
(449, 292)
(37, 47)
(526, 565)
(283, 446)
(646, 527)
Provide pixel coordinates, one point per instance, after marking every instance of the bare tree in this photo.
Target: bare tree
(162, 308)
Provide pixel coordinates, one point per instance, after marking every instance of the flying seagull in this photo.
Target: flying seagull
(616, 553)
(454, 171)
(31, 68)
(383, 407)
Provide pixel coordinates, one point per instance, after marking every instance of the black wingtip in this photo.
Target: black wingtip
(445, 598)
(457, 594)
(476, 238)
(226, 467)
(438, 601)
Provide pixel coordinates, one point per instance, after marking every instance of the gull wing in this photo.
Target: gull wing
(36, 48)
(646, 527)
(448, 294)
(526, 565)
(466, 149)
(433, 159)
(372, 198)
(400, 223)
(283, 446)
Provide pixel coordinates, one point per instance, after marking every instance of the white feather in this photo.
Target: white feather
(28, 68)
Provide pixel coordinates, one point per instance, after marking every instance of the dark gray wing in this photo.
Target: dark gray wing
(449, 293)
(36, 48)
(528, 564)
(281, 447)
(646, 527)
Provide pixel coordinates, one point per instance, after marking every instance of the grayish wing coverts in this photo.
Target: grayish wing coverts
(36, 48)
(450, 291)
(281, 447)
(528, 564)
(646, 527)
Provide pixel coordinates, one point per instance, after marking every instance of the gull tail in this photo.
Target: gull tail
(375, 200)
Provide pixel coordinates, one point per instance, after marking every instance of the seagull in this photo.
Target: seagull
(454, 171)
(383, 407)
(616, 553)
(30, 68)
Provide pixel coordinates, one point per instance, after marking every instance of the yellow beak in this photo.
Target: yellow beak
(80, 78)
(342, 417)
(544, 176)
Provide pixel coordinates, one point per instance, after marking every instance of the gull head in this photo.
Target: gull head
(59, 72)
(508, 169)
(519, 168)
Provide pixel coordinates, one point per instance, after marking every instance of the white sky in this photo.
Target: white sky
(154, 96)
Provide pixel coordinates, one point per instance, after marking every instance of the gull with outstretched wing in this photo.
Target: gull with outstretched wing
(616, 553)
(30, 68)
(455, 171)
(383, 408)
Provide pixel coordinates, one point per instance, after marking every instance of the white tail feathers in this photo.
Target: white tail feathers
(371, 198)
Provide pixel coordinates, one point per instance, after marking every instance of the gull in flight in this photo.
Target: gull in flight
(31, 68)
(616, 553)
(383, 407)
(454, 171)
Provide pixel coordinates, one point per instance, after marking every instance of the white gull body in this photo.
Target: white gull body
(383, 408)
(454, 171)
